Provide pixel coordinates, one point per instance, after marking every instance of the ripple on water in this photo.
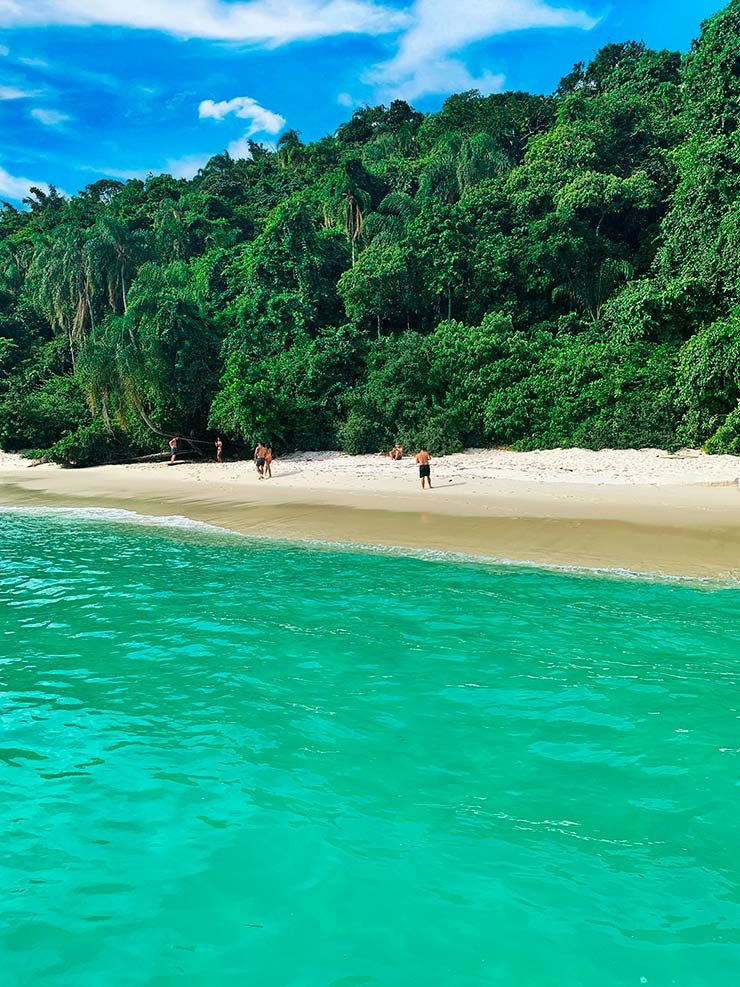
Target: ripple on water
(232, 761)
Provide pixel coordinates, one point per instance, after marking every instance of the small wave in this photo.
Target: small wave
(726, 581)
(121, 516)
(179, 522)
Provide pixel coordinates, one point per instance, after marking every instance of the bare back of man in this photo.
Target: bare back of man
(423, 459)
(259, 460)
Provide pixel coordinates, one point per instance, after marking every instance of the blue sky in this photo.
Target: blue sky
(121, 88)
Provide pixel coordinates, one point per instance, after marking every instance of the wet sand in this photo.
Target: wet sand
(686, 522)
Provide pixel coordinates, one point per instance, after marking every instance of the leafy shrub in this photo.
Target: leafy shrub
(709, 378)
(440, 435)
(727, 437)
(91, 444)
(40, 414)
(363, 433)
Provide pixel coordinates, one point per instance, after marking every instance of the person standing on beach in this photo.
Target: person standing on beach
(219, 449)
(423, 458)
(259, 460)
(173, 449)
(268, 460)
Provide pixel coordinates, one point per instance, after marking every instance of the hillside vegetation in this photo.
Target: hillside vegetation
(515, 270)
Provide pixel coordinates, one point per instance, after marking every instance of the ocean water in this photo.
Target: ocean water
(229, 762)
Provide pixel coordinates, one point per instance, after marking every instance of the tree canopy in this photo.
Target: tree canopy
(514, 269)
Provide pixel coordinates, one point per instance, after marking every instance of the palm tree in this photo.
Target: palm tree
(390, 221)
(477, 160)
(98, 370)
(171, 231)
(439, 181)
(589, 292)
(61, 287)
(112, 255)
(346, 201)
(16, 256)
(289, 148)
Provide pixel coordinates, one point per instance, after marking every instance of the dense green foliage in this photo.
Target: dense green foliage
(515, 269)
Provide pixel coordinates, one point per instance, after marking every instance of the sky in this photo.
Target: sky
(125, 88)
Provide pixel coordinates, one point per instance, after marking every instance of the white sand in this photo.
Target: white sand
(646, 510)
(610, 466)
(649, 467)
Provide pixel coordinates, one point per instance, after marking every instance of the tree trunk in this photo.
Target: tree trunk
(105, 415)
(88, 302)
(146, 419)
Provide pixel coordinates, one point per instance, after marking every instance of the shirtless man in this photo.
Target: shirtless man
(423, 458)
(259, 460)
(219, 449)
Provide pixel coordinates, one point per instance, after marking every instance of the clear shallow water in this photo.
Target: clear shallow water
(228, 763)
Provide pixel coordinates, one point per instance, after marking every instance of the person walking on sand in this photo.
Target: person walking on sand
(268, 461)
(173, 449)
(423, 458)
(259, 460)
(219, 449)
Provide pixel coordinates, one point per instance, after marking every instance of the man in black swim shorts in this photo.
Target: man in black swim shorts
(423, 458)
(259, 460)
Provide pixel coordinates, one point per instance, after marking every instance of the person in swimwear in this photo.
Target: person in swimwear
(259, 460)
(173, 449)
(219, 449)
(397, 451)
(423, 458)
(268, 460)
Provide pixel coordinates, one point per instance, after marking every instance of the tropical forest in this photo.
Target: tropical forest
(516, 270)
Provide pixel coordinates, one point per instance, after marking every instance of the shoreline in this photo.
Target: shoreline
(561, 508)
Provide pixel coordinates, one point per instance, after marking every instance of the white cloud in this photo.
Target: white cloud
(186, 167)
(246, 108)
(422, 63)
(445, 75)
(269, 22)
(261, 120)
(4, 50)
(49, 118)
(125, 174)
(345, 99)
(16, 187)
(11, 92)
(240, 148)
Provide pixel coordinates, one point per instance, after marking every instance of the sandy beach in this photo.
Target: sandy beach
(647, 511)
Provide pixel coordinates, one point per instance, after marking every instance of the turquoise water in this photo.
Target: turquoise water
(236, 763)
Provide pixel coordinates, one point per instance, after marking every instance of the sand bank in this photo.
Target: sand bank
(643, 510)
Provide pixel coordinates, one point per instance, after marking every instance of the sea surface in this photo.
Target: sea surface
(232, 762)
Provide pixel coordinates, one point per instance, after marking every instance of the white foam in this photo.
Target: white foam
(726, 581)
(182, 523)
(120, 516)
